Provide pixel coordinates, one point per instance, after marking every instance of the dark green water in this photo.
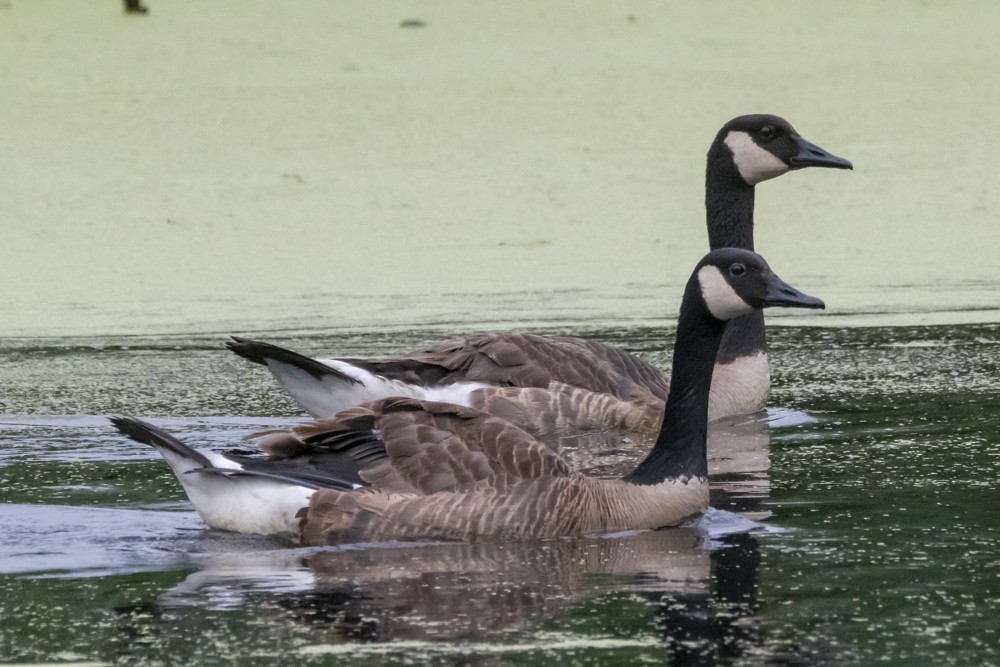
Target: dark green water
(880, 547)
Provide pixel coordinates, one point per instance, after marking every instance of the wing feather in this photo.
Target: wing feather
(525, 360)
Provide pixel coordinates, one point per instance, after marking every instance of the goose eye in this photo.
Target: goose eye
(767, 132)
(736, 270)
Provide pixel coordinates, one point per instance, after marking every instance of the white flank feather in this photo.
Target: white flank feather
(241, 504)
(325, 397)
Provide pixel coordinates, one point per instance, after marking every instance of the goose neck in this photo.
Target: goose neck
(680, 449)
(729, 202)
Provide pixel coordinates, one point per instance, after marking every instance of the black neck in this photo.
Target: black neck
(728, 204)
(729, 212)
(680, 447)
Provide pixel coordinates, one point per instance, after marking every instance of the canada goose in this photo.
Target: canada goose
(562, 384)
(402, 468)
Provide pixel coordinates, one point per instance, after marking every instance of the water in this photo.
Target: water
(231, 168)
(325, 178)
(871, 537)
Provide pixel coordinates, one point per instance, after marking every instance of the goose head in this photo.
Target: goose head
(732, 282)
(727, 283)
(762, 146)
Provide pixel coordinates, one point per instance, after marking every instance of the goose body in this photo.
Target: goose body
(564, 384)
(405, 468)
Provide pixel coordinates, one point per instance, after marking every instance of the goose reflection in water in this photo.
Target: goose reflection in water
(690, 592)
(701, 602)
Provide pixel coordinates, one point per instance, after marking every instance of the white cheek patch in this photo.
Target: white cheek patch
(722, 300)
(754, 163)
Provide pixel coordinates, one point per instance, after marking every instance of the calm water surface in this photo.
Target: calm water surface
(327, 177)
(872, 536)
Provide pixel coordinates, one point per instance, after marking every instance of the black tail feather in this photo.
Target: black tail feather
(259, 352)
(281, 471)
(148, 434)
